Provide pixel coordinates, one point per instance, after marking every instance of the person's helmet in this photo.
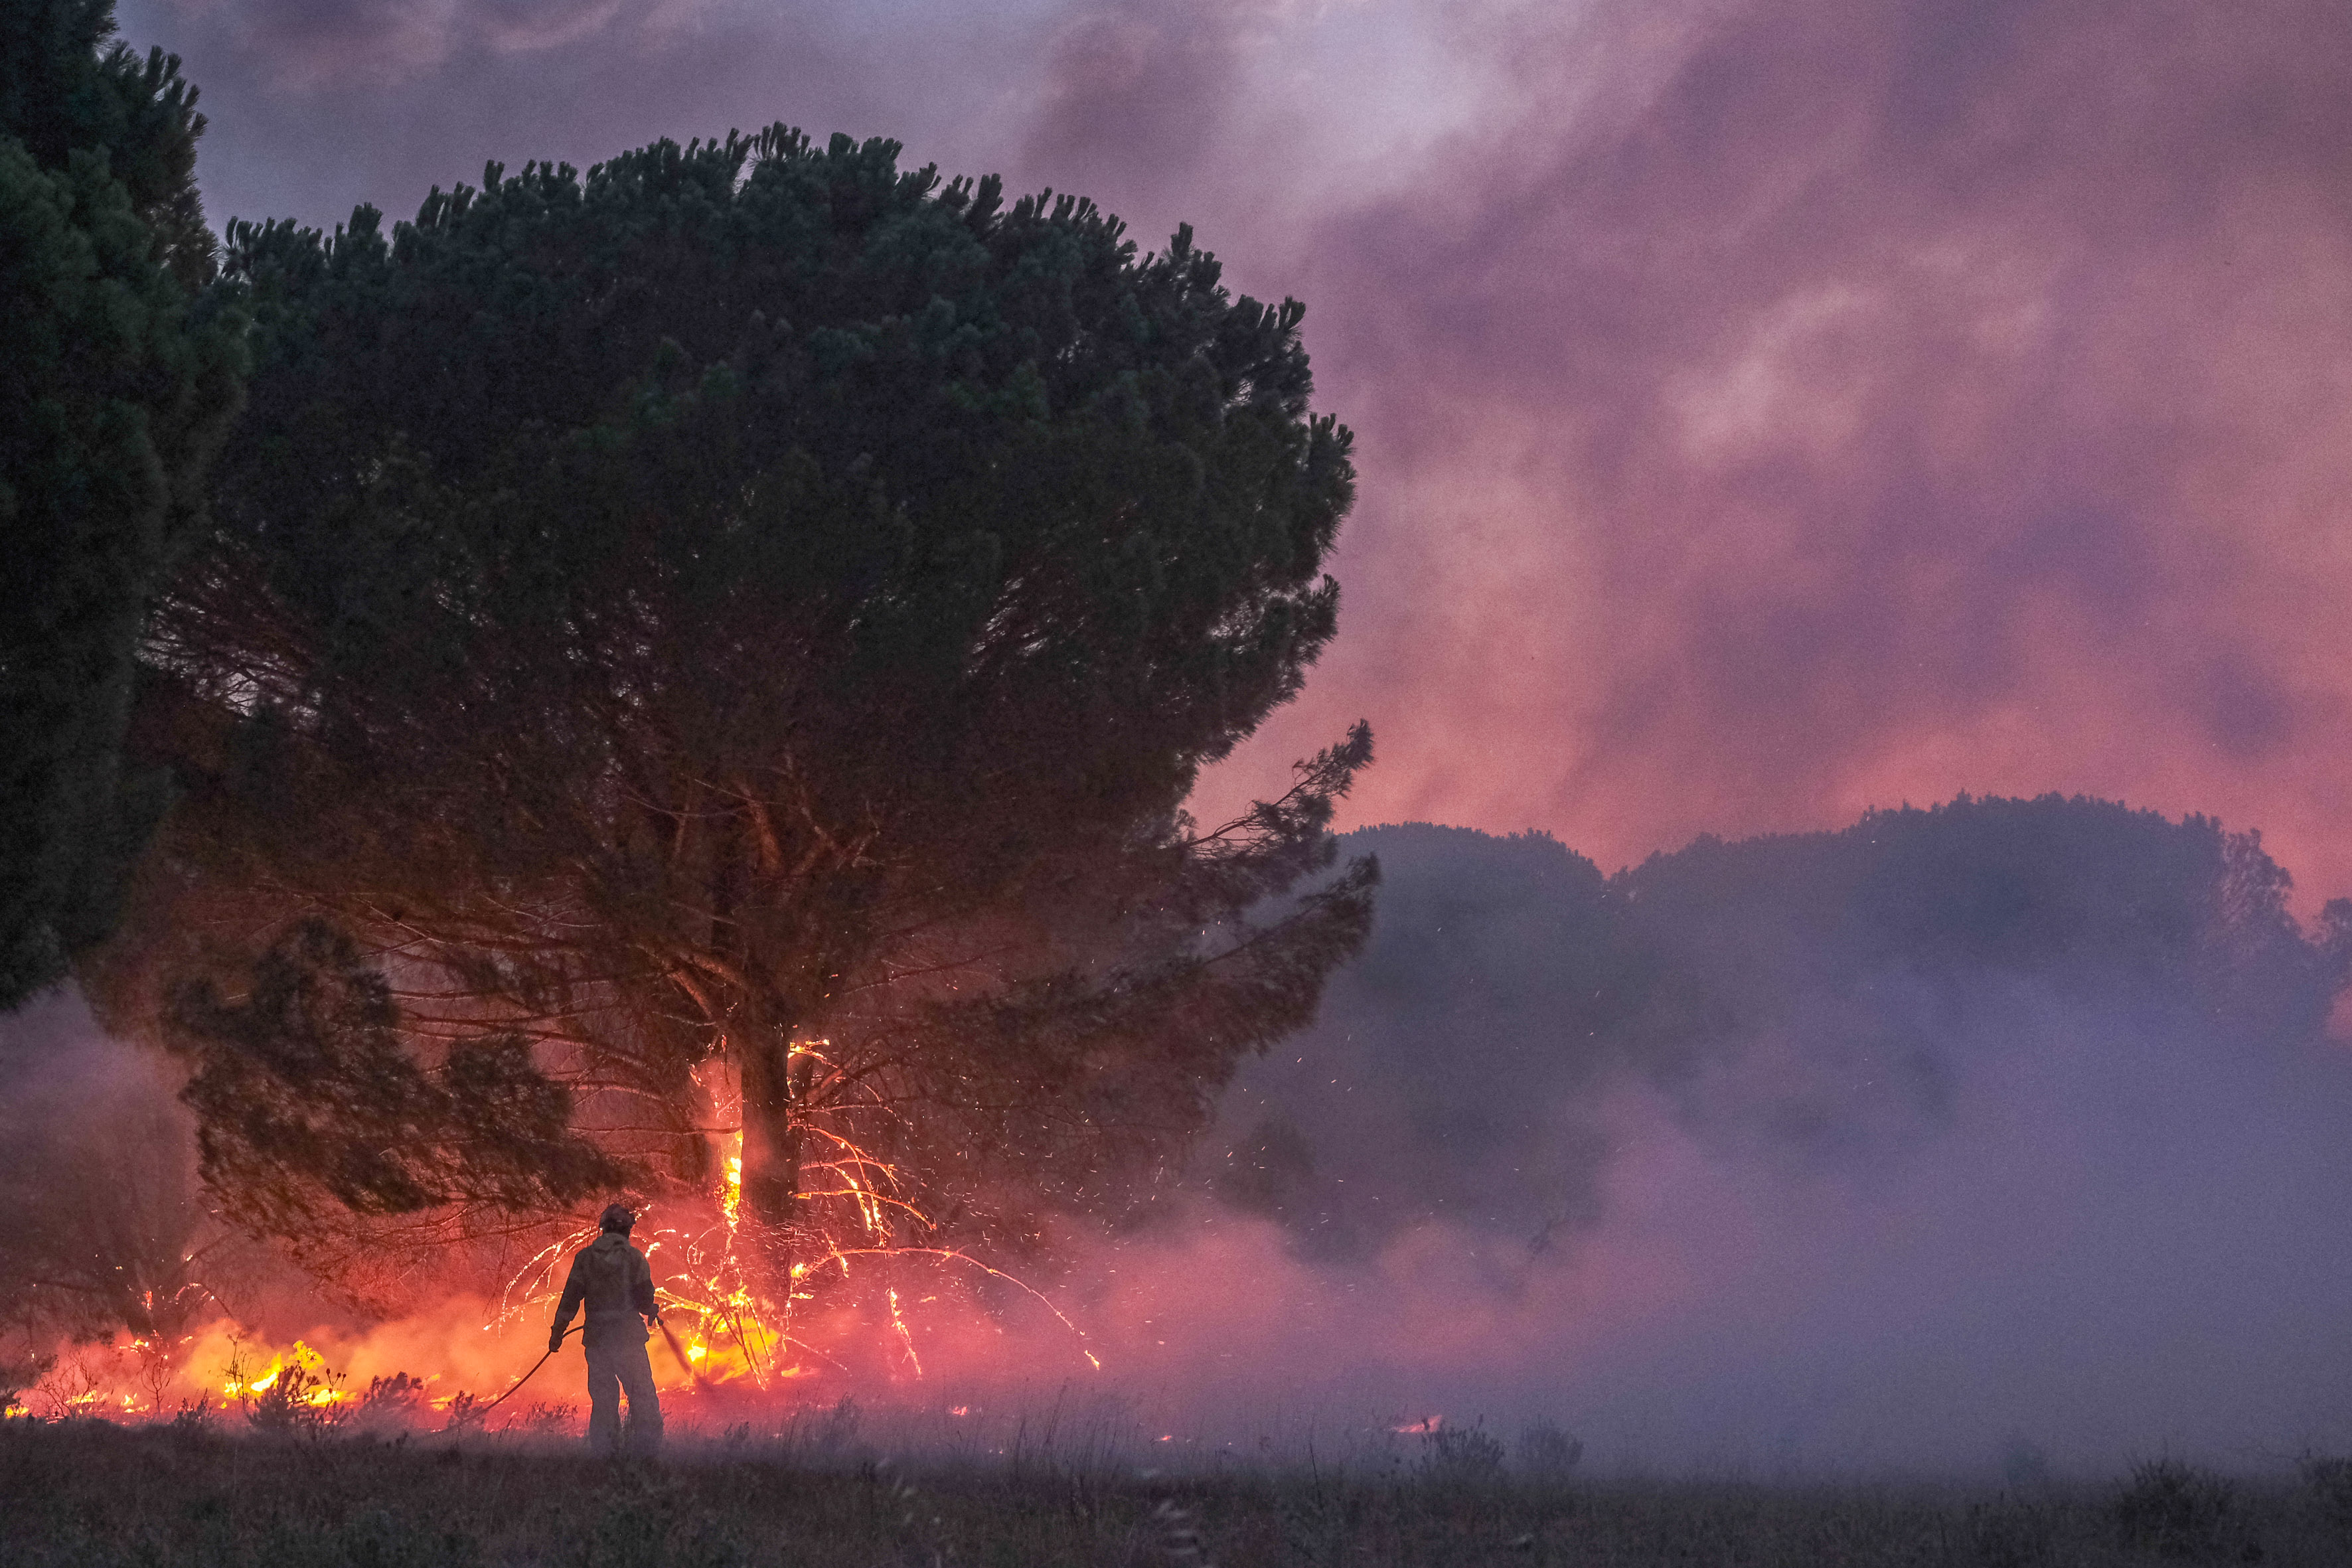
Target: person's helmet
(617, 1217)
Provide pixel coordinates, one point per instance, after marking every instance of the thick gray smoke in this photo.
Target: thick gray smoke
(105, 1230)
(2009, 1127)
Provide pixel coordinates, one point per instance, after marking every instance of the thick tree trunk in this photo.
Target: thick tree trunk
(772, 1139)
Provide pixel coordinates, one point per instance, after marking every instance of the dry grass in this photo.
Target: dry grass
(93, 1495)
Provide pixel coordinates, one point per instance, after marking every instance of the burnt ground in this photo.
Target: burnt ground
(91, 1494)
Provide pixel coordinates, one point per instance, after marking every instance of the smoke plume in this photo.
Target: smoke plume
(2010, 1128)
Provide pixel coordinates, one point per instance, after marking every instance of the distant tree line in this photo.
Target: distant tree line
(1811, 999)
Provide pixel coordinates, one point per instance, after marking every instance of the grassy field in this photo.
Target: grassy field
(90, 1493)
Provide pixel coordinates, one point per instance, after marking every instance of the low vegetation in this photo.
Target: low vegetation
(91, 1494)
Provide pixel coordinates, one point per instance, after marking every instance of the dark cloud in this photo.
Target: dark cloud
(1897, 398)
(1135, 94)
(336, 43)
(315, 108)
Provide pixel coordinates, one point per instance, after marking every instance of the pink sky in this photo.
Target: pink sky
(1764, 411)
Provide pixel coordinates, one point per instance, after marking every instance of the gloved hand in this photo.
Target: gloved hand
(554, 1341)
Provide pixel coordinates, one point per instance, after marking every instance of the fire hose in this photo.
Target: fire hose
(480, 1411)
(684, 1365)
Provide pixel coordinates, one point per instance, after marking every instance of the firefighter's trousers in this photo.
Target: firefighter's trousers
(616, 1368)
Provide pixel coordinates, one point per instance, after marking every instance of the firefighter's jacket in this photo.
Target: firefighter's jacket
(617, 1284)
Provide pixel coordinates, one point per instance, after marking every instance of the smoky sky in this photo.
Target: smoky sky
(1765, 410)
(2005, 1126)
(1891, 399)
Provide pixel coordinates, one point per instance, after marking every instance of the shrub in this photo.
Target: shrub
(1460, 1455)
(2328, 1479)
(2009, 1534)
(389, 1403)
(1546, 1449)
(299, 1402)
(2175, 1510)
(16, 1375)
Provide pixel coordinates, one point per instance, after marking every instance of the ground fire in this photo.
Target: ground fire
(859, 1308)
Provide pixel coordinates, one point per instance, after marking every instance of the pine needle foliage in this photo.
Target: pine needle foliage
(754, 597)
(121, 378)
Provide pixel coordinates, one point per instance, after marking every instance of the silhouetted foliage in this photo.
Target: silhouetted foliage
(1546, 1450)
(304, 1091)
(1461, 1456)
(2328, 1482)
(2175, 1510)
(1806, 995)
(753, 595)
(119, 383)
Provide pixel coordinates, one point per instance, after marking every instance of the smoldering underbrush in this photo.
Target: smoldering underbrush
(91, 1494)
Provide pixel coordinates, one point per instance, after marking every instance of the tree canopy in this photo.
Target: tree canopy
(1818, 1000)
(121, 378)
(728, 640)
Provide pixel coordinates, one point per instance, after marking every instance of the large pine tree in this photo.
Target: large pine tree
(719, 649)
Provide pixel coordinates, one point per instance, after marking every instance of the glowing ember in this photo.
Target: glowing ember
(745, 1307)
(898, 1322)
